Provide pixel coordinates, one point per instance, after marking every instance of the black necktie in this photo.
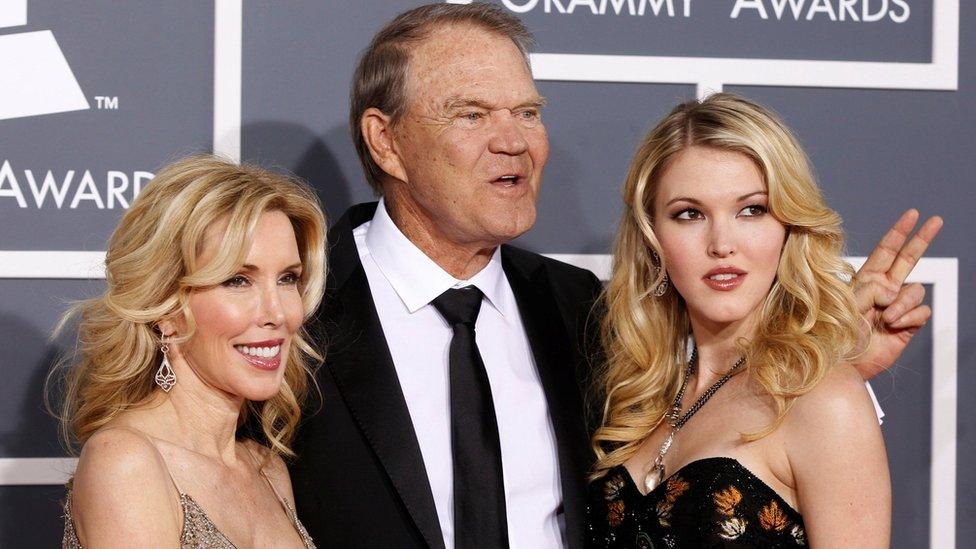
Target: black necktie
(479, 491)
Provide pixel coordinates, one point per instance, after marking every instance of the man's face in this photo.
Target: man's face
(471, 142)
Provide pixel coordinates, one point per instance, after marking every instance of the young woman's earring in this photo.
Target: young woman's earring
(661, 288)
(165, 376)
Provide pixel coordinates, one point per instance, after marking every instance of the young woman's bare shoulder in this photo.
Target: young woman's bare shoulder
(837, 459)
(839, 407)
(122, 488)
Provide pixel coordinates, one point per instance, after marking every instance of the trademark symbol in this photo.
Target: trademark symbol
(107, 103)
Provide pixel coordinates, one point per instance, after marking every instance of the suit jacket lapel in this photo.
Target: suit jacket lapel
(552, 348)
(359, 359)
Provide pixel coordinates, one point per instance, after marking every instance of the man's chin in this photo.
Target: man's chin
(508, 234)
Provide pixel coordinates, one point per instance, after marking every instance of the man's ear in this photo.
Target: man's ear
(377, 130)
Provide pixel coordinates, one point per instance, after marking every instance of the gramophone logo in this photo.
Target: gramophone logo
(35, 78)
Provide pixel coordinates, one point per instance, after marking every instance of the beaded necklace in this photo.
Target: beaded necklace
(656, 475)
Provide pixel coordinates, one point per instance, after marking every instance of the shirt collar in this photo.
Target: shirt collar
(415, 277)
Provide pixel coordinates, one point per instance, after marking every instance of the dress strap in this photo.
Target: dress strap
(264, 474)
(286, 507)
(171, 478)
(273, 489)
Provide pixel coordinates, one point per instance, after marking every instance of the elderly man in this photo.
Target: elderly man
(452, 412)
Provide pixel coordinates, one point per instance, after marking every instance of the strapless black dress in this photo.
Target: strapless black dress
(713, 502)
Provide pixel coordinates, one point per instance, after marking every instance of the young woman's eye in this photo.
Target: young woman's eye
(753, 210)
(688, 214)
(238, 281)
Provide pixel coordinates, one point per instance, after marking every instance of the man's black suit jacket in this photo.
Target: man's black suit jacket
(359, 478)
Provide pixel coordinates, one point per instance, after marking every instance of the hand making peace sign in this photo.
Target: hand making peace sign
(894, 311)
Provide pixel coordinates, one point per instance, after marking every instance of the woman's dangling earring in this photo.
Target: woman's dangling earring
(165, 376)
(661, 288)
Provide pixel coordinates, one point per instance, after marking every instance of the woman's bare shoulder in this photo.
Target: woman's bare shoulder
(837, 411)
(118, 452)
(840, 395)
(837, 458)
(122, 489)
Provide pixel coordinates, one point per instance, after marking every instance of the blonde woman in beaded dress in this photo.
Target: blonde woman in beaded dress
(210, 276)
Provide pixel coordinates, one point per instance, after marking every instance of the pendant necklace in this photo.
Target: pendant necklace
(656, 475)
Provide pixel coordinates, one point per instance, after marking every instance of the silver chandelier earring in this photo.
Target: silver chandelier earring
(165, 376)
(661, 288)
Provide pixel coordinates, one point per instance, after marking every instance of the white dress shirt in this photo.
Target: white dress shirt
(403, 281)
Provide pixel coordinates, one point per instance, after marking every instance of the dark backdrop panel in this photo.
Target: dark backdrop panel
(156, 59)
(671, 30)
(594, 129)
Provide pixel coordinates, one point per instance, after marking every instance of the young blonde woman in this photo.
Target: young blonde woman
(210, 276)
(733, 416)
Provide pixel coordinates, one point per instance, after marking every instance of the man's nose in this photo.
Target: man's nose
(507, 135)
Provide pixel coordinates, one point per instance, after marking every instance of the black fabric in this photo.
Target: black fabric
(479, 489)
(359, 477)
(460, 307)
(712, 502)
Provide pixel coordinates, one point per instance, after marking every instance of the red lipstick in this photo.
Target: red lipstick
(725, 278)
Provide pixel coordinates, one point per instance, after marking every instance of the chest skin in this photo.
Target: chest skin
(716, 429)
(255, 519)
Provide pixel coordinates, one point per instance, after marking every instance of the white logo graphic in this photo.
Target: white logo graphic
(35, 78)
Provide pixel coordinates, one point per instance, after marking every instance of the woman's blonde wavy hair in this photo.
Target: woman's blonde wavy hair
(151, 268)
(807, 323)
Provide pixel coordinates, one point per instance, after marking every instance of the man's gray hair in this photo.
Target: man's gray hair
(380, 79)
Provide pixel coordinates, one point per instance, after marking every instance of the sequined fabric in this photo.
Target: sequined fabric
(70, 539)
(199, 532)
(713, 502)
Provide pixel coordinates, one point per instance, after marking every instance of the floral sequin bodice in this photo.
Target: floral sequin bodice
(713, 502)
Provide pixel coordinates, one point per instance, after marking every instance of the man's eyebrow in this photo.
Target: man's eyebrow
(455, 103)
(462, 102)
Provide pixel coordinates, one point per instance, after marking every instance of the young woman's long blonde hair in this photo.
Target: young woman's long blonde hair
(151, 268)
(807, 323)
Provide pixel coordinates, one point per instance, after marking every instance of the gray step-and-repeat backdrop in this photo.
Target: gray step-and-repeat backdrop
(95, 96)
